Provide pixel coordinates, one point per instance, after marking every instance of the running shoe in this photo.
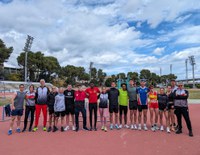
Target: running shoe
(111, 127)
(73, 128)
(156, 127)
(66, 128)
(178, 131)
(168, 130)
(35, 129)
(132, 127)
(9, 132)
(153, 128)
(145, 128)
(23, 130)
(117, 127)
(135, 127)
(44, 128)
(139, 127)
(102, 128)
(105, 129)
(120, 126)
(85, 128)
(161, 128)
(126, 126)
(18, 130)
(55, 129)
(62, 129)
(190, 133)
(95, 128)
(49, 129)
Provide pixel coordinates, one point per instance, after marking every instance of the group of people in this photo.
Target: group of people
(111, 102)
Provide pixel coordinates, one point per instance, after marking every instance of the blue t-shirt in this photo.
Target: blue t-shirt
(142, 95)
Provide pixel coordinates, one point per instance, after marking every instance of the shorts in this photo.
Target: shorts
(70, 110)
(104, 111)
(58, 114)
(162, 107)
(123, 109)
(17, 112)
(142, 107)
(133, 105)
(153, 105)
(51, 110)
(113, 108)
(170, 106)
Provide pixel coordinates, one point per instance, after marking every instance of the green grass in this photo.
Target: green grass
(194, 93)
(4, 101)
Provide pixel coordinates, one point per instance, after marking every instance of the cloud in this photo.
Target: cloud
(159, 51)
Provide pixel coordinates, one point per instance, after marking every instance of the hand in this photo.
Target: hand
(13, 107)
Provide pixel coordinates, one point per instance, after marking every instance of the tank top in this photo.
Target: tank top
(153, 97)
(19, 100)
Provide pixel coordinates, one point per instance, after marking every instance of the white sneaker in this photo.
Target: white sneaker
(153, 128)
(145, 128)
(156, 127)
(120, 126)
(66, 128)
(132, 127)
(73, 128)
(126, 126)
(111, 126)
(135, 127)
(161, 128)
(168, 130)
(139, 127)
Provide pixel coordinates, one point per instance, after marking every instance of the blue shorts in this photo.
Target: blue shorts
(17, 112)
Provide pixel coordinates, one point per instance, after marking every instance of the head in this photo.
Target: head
(142, 83)
(113, 84)
(169, 88)
(151, 88)
(42, 82)
(61, 90)
(173, 82)
(123, 85)
(80, 88)
(69, 87)
(162, 90)
(21, 87)
(91, 85)
(131, 82)
(54, 89)
(31, 88)
(180, 85)
(104, 89)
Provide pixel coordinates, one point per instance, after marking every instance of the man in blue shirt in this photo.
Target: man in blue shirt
(142, 94)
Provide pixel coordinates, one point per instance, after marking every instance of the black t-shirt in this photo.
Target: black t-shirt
(113, 94)
(69, 97)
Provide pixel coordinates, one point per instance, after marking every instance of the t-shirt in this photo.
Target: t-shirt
(19, 100)
(142, 95)
(93, 94)
(113, 94)
(41, 95)
(59, 105)
(103, 100)
(123, 97)
(30, 98)
(132, 94)
(69, 97)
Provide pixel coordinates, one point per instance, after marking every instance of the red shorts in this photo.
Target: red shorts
(153, 105)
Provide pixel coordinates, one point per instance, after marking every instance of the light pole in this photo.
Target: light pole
(27, 48)
(192, 62)
(91, 65)
(186, 69)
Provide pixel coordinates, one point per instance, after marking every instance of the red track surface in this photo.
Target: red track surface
(124, 141)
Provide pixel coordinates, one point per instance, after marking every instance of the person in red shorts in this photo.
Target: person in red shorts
(93, 93)
(153, 107)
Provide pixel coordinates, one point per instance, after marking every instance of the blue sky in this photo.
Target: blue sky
(117, 35)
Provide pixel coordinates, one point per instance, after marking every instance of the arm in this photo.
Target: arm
(12, 101)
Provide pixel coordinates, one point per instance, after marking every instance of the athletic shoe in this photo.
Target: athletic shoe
(135, 127)
(102, 128)
(145, 128)
(153, 128)
(18, 130)
(190, 133)
(126, 126)
(91, 129)
(161, 128)
(66, 128)
(139, 127)
(73, 128)
(23, 130)
(120, 126)
(178, 131)
(49, 129)
(30, 129)
(111, 127)
(62, 129)
(77, 129)
(44, 129)
(117, 126)
(168, 130)
(105, 129)
(55, 129)
(35, 129)
(85, 128)
(156, 127)
(132, 127)
(95, 128)
(9, 132)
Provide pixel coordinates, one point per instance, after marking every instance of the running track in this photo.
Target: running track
(124, 141)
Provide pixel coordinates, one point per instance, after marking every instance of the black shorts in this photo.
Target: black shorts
(70, 110)
(113, 108)
(51, 110)
(170, 106)
(58, 114)
(123, 109)
(133, 105)
(162, 107)
(142, 107)
(17, 112)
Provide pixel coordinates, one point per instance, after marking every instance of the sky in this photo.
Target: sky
(117, 35)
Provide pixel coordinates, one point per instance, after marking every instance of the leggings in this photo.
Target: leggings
(93, 107)
(29, 109)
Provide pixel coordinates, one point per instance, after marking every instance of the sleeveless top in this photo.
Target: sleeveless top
(19, 100)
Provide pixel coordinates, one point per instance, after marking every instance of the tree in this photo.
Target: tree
(93, 73)
(101, 76)
(121, 75)
(5, 53)
(145, 74)
(108, 82)
(133, 75)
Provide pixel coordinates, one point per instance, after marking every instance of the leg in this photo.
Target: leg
(76, 117)
(120, 114)
(83, 112)
(135, 116)
(37, 115)
(90, 112)
(101, 115)
(145, 116)
(72, 116)
(67, 119)
(18, 122)
(161, 117)
(26, 117)
(95, 115)
(125, 114)
(12, 122)
(44, 111)
(186, 116)
(131, 116)
(179, 118)
(156, 115)
(151, 116)
(111, 118)
(32, 117)
(50, 119)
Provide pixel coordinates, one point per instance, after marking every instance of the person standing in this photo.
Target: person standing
(123, 105)
(181, 108)
(113, 94)
(41, 104)
(93, 93)
(30, 107)
(50, 103)
(69, 105)
(142, 92)
(133, 104)
(17, 108)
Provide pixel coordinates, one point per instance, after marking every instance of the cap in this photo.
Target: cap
(142, 80)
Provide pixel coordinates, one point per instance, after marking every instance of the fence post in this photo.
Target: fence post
(3, 113)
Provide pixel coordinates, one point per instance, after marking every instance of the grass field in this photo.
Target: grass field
(4, 101)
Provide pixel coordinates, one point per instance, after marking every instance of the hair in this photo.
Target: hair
(162, 88)
(21, 85)
(131, 80)
(32, 86)
(42, 80)
(123, 84)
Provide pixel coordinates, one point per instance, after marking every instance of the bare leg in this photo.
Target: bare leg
(131, 116)
(151, 116)
(67, 120)
(18, 121)
(111, 118)
(139, 117)
(12, 122)
(135, 116)
(116, 118)
(145, 116)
